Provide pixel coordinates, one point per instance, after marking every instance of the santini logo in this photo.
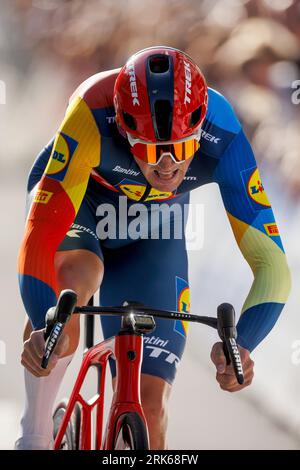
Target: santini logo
(133, 86)
(127, 171)
(77, 229)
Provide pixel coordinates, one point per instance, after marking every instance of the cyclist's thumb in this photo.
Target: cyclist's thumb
(218, 357)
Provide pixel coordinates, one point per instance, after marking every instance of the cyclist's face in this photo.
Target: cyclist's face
(167, 175)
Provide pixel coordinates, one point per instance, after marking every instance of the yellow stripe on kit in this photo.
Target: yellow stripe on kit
(238, 226)
(272, 280)
(267, 261)
(80, 127)
(84, 129)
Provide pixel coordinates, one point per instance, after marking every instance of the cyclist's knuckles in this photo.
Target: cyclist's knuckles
(244, 354)
(226, 380)
(36, 340)
(217, 354)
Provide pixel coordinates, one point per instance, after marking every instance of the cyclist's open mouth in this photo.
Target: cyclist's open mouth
(166, 175)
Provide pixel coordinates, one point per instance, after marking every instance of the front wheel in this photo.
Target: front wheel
(130, 433)
(70, 441)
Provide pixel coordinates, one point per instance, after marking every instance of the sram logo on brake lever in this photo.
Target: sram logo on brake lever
(53, 339)
(237, 357)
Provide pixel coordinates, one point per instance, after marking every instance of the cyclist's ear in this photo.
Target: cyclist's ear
(218, 357)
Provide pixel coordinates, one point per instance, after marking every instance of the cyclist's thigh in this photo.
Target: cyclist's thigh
(153, 272)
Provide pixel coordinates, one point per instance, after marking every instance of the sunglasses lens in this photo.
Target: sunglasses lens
(185, 150)
(150, 153)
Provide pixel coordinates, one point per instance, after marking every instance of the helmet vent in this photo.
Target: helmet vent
(129, 121)
(195, 116)
(159, 63)
(163, 119)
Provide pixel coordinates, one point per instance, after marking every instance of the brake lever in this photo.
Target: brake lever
(51, 343)
(233, 356)
(226, 353)
(227, 332)
(56, 319)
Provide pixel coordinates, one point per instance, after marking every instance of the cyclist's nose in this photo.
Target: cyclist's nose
(166, 162)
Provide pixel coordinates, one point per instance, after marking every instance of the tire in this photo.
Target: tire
(71, 437)
(130, 433)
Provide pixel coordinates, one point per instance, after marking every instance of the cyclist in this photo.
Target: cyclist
(151, 131)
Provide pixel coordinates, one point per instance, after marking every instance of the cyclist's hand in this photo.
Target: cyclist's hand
(225, 374)
(33, 351)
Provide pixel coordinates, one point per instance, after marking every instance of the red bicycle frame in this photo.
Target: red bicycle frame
(127, 349)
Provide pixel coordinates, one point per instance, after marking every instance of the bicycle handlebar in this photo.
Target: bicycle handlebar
(58, 316)
(144, 310)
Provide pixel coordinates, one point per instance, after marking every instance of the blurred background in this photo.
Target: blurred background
(248, 50)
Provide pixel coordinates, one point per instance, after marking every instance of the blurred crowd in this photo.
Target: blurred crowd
(248, 49)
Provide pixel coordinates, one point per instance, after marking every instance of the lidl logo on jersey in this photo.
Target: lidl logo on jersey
(272, 230)
(157, 195)
(132, 190)
(182, 304)
(255, 189)
(136, 191)
(42, 196)
(63, 150)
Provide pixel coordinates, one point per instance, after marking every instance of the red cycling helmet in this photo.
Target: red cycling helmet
(160, 96)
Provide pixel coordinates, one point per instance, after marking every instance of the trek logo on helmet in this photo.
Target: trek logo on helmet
(133, 86)
(188, 82)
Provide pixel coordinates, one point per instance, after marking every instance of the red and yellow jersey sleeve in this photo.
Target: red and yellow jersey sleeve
(75, 152)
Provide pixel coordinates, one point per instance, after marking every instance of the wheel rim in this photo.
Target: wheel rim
(71, 433)
(64, 444)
